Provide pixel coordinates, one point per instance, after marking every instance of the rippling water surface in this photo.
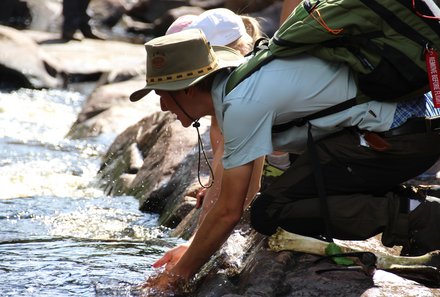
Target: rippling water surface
(59, 234)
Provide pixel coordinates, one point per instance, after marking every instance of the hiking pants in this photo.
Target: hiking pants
(75, 16)
(358, 181)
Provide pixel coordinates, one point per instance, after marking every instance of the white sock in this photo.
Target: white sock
(281, 161)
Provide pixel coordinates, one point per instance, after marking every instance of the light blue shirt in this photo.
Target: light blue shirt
(280, 91)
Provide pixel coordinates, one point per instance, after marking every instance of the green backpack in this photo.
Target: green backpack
(385, 42)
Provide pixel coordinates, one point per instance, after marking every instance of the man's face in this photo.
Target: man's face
(174, 101)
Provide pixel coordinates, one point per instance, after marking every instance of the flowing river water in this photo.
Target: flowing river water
(59, 234)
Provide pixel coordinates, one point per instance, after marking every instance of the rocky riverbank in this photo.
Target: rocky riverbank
(154, 159)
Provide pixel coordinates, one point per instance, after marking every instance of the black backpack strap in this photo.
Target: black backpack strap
(319, 183)
(325, 112)
(397, 24)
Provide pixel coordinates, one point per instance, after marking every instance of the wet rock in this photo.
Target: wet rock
(261, 272)
(114, 67)
(220, 285)
(121, 75)
(109, 111)
(185, 229)
(158, 26)
(107, 12)
(174, 214)
(15, 13)
(115, 162)
(162, 24)
(181, 167)
(150, 10)
(163, 178)
(90, 56)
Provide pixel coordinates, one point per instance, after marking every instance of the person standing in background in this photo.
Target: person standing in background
(75, 18)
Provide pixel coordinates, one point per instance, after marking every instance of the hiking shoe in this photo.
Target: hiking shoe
(424, 228)
(89, 33)
(270, 173)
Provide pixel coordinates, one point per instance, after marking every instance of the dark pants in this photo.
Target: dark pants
(358, 181)
(75, 16)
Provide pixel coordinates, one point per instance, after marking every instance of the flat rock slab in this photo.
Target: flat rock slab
(90, 55)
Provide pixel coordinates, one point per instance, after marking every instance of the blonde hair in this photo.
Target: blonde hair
(245, 44)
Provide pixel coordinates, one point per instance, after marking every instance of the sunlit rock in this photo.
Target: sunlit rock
(46, 15)
(109, 111)
(169, 162)
(22, 62)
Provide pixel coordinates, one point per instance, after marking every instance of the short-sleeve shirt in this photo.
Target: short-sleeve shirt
(283, 90)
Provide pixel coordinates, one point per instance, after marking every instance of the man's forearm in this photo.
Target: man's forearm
(212, 233)
(219, 221)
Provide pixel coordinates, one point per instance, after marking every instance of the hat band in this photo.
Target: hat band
(182, 75)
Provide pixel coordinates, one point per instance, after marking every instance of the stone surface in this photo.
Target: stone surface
(23, 63)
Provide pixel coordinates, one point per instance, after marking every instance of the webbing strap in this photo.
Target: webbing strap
(322, 113)
(246, 69)
(319, 183)
(395, 23)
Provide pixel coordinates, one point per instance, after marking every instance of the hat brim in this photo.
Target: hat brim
(227, 57)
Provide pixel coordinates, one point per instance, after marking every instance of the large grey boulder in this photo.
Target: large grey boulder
(90, 56)
(108, 110)
(155, 160)
(115, 69)
(23, 63)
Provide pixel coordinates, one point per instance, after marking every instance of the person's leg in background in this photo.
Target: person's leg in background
(71, 18)
(85, 27)
(76, 18)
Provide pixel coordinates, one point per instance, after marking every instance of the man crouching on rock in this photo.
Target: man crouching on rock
(361, 154)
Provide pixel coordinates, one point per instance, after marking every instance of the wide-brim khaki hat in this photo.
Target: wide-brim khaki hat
(180, 60)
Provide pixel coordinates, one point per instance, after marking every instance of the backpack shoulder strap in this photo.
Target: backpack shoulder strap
(245, 70)
(322, 113)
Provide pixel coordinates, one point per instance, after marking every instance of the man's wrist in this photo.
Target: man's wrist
(180, 272)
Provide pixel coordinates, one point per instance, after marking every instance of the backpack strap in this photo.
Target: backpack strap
(397, 24)
(319, 183)
(322, 113)
(246, 69)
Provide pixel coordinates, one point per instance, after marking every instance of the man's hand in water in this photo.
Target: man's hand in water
(170, 258)
(163, 284)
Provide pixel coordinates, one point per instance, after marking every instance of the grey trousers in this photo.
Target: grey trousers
(358, 182)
